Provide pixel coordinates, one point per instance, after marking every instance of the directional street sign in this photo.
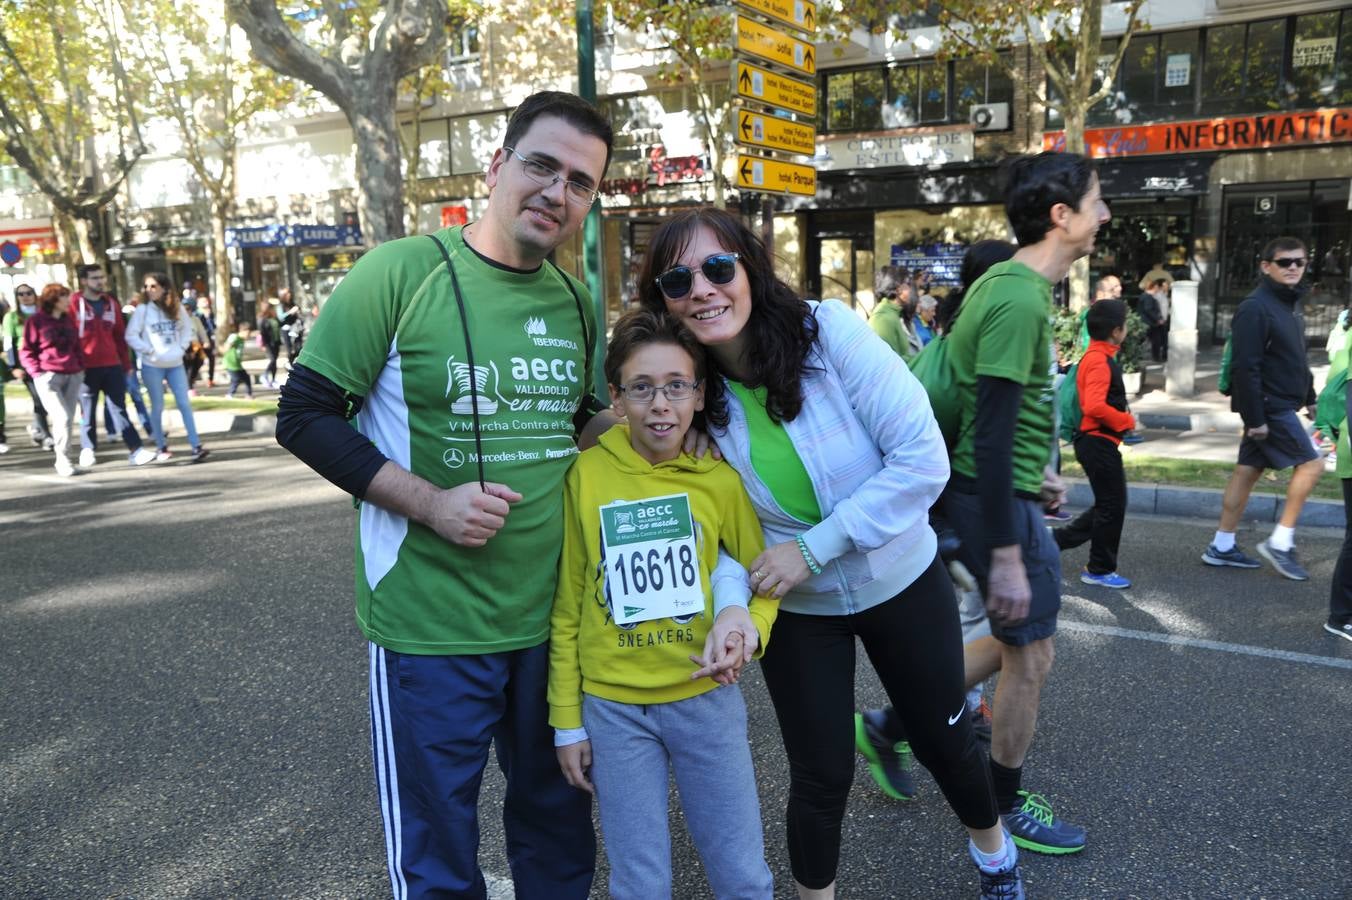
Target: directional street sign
(798, 13)
(774, 133)
(757, 173)
(776, 90)
(775, 46)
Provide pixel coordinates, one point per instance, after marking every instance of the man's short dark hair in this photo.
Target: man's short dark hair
(1034, 184)
(561, 104)
(1104, 317)
(83, 271)
(1280, 245)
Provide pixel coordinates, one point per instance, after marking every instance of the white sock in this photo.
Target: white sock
(1283, 538)
(1224, 540)
(1001, 860)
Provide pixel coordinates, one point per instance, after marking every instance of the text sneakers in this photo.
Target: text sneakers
(1232, 557)
(1006, 885)
(1035, 827)
(1343, 631)
(889, 763)
(1284, 561)
(1108, 580)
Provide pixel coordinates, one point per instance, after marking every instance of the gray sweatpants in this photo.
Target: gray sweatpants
(703, 740)
(59, 395)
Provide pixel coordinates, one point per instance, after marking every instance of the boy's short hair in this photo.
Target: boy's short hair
(1105, 317)
(82, 272)
(1282, 244)
(1034, 184)
(641, 327)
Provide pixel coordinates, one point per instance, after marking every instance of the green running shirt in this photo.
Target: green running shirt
(391, 333)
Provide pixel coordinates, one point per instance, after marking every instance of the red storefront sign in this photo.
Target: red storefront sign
(1255, 132)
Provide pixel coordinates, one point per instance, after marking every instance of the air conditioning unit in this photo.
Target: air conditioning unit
(990, 117)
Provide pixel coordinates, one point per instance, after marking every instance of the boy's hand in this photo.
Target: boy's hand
(698, 442)
(575, 760)
(729, 646)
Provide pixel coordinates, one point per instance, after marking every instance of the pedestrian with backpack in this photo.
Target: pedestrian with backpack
(1100, 418)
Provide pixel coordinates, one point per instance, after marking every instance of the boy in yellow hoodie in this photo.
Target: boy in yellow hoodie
(635, 606)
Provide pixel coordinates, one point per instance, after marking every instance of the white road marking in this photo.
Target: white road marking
(1310, 659)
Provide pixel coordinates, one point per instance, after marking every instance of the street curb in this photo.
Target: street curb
(1205, 503)
(1219, 421)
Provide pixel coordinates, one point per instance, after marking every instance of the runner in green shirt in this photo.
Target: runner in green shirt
(465, 358)
(1003, 361)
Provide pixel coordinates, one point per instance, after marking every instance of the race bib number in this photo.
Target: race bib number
(652, 569)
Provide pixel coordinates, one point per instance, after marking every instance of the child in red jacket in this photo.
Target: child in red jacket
(1105, 418)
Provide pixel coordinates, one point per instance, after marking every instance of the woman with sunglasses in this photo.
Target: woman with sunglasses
(838, 449)
(160, 332)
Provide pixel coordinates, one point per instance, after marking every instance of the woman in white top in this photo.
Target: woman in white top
(839, 451)
(160, 332)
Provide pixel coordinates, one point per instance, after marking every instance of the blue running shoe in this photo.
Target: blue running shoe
(1232, 557)
(1108, 580)
(889, 763)
(1284, 561)
(1035, 827)
(1007, 885)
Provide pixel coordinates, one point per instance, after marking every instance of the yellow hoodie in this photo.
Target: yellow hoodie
(648, 662)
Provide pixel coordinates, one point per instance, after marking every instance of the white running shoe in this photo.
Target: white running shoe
(63, 467)
(141, 456)
(87, 458)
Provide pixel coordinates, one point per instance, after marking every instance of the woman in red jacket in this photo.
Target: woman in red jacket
(51, 354)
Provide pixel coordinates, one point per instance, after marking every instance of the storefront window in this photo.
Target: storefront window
(917, 93)
(1314, 56)
(1243, 67)
(1177, 74)
(975, 82)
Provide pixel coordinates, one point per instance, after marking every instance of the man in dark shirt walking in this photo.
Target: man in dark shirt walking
(1270, 381)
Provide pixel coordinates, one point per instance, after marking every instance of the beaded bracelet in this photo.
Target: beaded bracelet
(812, 565)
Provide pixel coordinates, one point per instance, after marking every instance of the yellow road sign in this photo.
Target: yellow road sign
(756, 173)
(777, 90)
(798, 13)
(775, 46)
(774, 133)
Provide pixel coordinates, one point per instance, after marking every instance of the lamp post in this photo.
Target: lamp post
(591, 228)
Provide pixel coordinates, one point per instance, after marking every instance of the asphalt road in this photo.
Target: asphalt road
(184, 710)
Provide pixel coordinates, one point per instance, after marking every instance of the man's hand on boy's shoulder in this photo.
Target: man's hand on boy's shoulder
(699, 442)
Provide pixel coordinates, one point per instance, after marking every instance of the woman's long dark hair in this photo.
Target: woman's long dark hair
(780, 331)
(168, 297)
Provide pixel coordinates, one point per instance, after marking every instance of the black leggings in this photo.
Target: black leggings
(915, 644)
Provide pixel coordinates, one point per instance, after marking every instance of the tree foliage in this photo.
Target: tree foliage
(355, 53)
(68, 114)
(1063, 36)
(199, 85)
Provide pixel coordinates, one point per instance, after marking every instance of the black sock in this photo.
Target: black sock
(1006, 783)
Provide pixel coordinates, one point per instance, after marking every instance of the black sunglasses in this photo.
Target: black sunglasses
(1288, 262)
(677, 282)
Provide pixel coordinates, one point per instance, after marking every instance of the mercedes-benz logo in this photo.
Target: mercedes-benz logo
(454, 458)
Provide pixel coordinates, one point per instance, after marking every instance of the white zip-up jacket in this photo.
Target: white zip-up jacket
(877, 461)
(157, 339)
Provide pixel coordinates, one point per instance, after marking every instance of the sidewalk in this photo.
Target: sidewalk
(1202, 428)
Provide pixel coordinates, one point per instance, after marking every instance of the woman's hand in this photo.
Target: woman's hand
(729, 646)
(778, 570)
(699, 442)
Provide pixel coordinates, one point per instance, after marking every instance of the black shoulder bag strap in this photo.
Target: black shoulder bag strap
(469, 352)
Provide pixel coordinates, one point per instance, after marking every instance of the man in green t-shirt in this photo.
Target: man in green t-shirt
(1003, 361)
(892, 289)
(465, 357)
